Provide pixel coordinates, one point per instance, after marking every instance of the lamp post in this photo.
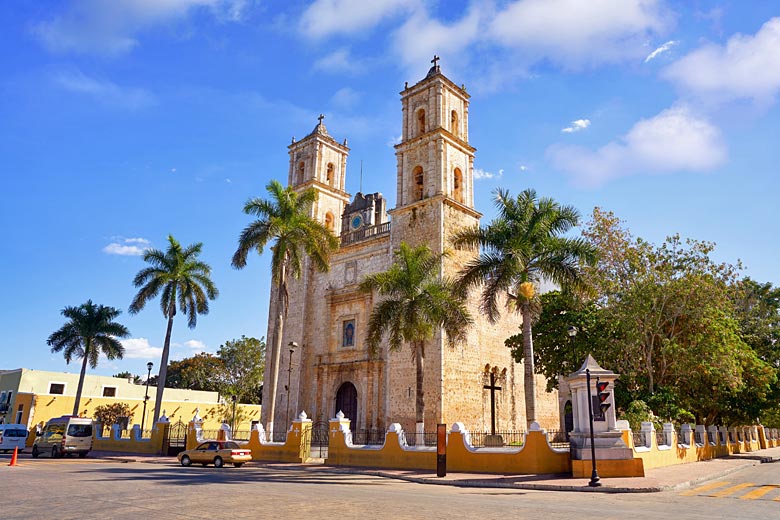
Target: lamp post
(293, 345)
(233, 422)
(149, 366)
(594, 476)
(572, 332)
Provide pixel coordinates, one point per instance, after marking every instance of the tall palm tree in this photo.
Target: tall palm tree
(90, 331)
(181, 277)
(284, 220)
(521, 247)
(417, 304)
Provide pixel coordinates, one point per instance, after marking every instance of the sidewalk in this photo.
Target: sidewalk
(670, 478)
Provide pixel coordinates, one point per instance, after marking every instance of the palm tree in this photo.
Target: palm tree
(181, 277)
(521, 247)
(90, 331)
(417, 304)
(285, 220)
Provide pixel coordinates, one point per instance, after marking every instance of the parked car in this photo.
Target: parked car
(64, 436)
(12, 436)
(218, 453)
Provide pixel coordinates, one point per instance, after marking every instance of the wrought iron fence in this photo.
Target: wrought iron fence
(639, 439)
(242, 435)
(502, 438)
(558, 439)
(420, 439)
(660, 439)
(368, 437)
(211, 435)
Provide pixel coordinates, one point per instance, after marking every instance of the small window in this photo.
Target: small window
(57, 388)
(299, 177)
(329, 174)
(418, 183)
(457, 185)
(348, 334)
(454, 122)
(329, 221)
(109, 391)
(8, 397)
(80, 430)
(421, 122)
(19, 414)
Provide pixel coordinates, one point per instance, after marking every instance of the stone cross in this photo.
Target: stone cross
(435, 60)
(321, 118)
(492, 387)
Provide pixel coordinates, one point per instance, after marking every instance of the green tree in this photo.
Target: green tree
(243, 362)
(127, 375)
(89, 332)
(417, 303)
(520, 248)
(284, 219)
(177, 275)
(107, 414)
(200, 372)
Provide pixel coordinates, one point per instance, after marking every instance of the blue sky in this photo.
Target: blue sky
(122, 121)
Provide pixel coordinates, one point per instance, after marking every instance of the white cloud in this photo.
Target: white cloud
(339, 60)
(576, 33)
(674, 140)
(479, 174)
(394, 141)
(576, 126)
(127, 247)
(662, 49)
(746, 67)
(140, 348)
(327, 17)
(109, 27)
(105, 92)
(345, 97)
(523, 168)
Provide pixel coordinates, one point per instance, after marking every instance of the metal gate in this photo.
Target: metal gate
(175, 440)
(320, 434)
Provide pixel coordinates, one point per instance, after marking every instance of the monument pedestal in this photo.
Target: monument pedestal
(609, 446)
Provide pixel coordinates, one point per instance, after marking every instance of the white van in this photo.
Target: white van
(12, 436)
(63, 436)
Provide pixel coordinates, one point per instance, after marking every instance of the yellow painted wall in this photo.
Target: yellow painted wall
(296, 448)
(151, 446)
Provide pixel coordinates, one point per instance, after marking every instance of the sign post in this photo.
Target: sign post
(441, 450)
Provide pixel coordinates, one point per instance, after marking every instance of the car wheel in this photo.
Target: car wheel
(218, 463)
(82, 454)
(185, 461)
(35, 452)
(55, 453)
(238, 464)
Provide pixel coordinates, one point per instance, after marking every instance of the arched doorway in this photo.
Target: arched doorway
(346, 401)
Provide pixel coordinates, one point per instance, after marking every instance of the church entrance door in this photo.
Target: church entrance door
(346, 401)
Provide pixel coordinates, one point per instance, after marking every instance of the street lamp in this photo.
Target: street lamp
(149, 366)
(572, 332)
(293, 345)
(233, 422)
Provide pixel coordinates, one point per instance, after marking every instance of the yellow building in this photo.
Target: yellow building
(32, 397)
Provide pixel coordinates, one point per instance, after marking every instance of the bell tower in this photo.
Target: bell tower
(435, 163)
(318, 161)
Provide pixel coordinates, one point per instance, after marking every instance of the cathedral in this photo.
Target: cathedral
(328, 367)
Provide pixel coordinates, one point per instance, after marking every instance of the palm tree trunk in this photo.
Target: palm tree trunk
(419, 359)
(269, 403)
(163, 366)
(529, 384)
(83, 374)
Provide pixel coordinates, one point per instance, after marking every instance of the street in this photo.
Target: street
(92, 488)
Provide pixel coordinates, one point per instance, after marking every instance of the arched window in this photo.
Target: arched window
(420, 121)
(454, 123)
(329, 221)
(418, 183)
(457, 185)
(329, 174)
(299, 175)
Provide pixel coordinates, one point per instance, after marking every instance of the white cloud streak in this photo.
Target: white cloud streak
(140, 348)
(746, 67)
(662, 49)
(328, 17)
(105, 92)
(127, 247)
(674, 140)
(480, 174)
(576, 126)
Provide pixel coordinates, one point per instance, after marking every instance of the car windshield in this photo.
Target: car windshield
(16, 433)
(80, 430)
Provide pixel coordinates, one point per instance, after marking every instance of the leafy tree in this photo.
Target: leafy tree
(127, 375)
(108, 414)
(179, 276)
(200, 372)
(284, 219)
(89, 332)
(417, 303)
(243, 362)
(520, 248)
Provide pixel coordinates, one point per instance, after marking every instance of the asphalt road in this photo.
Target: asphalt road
(88, 488)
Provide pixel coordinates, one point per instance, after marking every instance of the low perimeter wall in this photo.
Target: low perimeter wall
(135, 444)
(534, 457)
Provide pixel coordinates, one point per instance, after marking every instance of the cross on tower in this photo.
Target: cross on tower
(321, 118)
(435, 60)
(492, 387)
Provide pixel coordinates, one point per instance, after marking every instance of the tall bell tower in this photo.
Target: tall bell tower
(435, 186)
(319, 161)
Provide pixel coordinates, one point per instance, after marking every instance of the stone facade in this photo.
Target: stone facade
(328, 315)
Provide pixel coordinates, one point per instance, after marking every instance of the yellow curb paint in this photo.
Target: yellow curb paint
(757, 493)
(705, 487)
(733, 489)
